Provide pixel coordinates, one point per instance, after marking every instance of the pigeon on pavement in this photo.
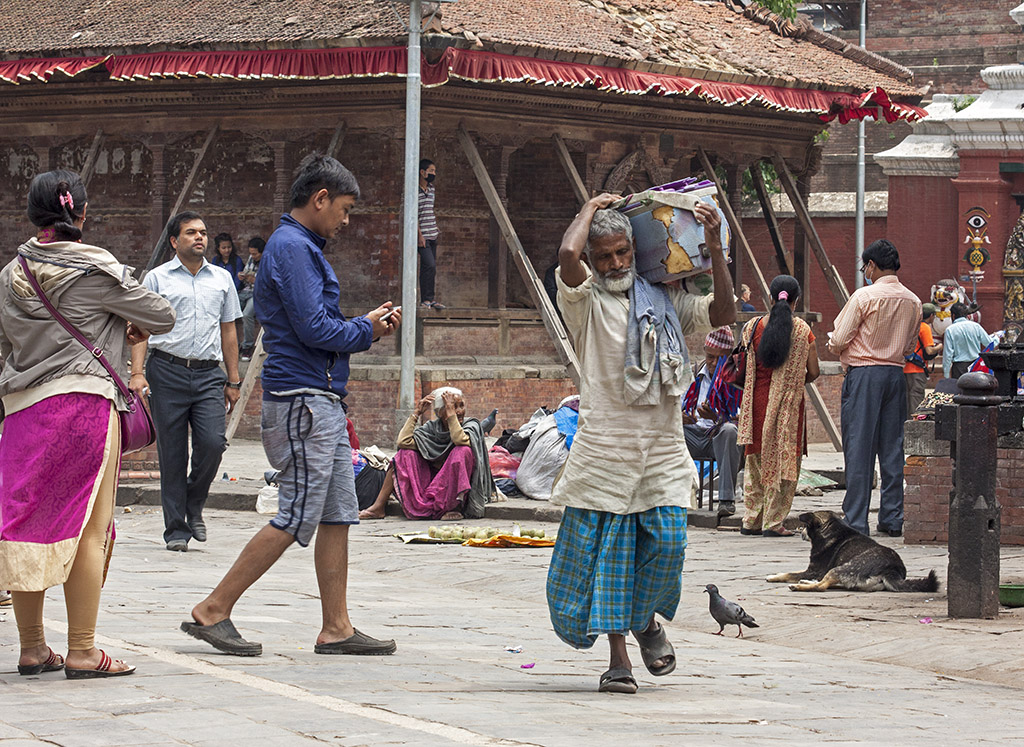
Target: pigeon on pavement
(726, 612)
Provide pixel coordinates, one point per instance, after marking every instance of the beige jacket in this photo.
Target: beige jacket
(96, 294)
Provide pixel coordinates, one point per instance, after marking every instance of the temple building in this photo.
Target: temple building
(527, 105)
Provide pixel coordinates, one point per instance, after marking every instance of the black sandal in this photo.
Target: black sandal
(654, 646)
(618, 680)
(54, 663)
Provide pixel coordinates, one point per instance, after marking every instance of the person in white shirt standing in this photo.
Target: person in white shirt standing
(189, 388)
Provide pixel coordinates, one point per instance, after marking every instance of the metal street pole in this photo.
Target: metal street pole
(859, 222)
(410, 215)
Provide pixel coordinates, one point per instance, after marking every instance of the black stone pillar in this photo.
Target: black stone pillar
(973, 578)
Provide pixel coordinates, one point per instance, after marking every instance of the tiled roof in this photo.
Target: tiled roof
(709, 39)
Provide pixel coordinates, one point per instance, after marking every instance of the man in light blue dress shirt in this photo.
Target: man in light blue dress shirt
(962, 342)
(189, 388)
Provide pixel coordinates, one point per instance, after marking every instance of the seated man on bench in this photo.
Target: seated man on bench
(710, 412)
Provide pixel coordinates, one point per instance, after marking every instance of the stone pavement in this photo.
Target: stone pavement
(834, 667)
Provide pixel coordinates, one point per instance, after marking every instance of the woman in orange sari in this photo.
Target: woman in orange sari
(781, 359)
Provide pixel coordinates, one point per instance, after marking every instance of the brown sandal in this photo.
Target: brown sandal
(103, 670)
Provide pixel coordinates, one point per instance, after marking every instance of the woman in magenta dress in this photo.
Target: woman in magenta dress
(61, 446)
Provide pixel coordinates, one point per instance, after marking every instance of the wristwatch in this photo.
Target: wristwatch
(233, 385)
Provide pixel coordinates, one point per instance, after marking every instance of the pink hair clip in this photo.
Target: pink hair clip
(65, 199)
(783, 296)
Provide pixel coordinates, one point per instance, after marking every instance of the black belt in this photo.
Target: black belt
(186, 362)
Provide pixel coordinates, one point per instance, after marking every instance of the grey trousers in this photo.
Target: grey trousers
(874, 407)
(183, 398)
(916, 384)
(249, 324)
(723, 449)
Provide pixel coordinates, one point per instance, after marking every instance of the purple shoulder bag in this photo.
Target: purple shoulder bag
(137, 430)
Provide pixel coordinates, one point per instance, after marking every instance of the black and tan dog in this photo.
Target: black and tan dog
(843, 557)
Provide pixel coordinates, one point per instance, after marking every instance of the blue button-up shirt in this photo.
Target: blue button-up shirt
(963, 341)
(202, 303)
(307, 338)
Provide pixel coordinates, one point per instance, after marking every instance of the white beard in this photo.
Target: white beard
(616, 285)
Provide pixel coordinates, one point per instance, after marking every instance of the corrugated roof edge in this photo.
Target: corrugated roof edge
(803, 29)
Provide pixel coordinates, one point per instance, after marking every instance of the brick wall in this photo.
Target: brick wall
(929, 481)
(943, 42)
(926, 499)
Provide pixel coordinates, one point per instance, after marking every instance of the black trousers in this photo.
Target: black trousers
(428, 269)
(184, 398)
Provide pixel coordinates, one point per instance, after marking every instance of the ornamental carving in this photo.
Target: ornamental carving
(1014, 258)
(657, 171)
(1013, 310)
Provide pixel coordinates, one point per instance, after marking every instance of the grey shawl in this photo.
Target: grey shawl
(656, 357)
(433, 442)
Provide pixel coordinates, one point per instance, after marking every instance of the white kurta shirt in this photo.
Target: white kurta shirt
(624, 459)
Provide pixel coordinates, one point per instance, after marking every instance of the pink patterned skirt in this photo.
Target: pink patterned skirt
(426, 492)
(52, 458)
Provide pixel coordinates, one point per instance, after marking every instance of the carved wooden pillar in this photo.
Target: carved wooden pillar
(43, 148)
(497, 286)
(282, 171)
(158, 192)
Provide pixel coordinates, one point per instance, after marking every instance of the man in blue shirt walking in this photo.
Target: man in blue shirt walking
(308, 343)
(962, 343)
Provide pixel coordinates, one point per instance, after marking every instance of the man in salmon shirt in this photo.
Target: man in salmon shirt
(873, 333)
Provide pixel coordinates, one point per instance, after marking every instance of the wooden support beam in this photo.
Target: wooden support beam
(814, 395)
(578, 187)
(186, 191)
(832, 277)
(336, 140)
(90, 159)
(734, 189)
(812, 390)
(781, 256)
(737, 228)
(533, 283)
(248, 384)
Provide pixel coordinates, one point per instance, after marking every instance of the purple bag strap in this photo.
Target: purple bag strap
(97, 352)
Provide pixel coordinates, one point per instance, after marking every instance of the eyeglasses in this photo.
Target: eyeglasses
(864, 267)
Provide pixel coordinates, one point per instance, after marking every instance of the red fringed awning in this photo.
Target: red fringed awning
(488, 67)
(16, 71)
(872, 104)
(468, 65)
(285, 64)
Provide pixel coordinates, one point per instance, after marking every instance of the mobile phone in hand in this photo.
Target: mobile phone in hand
(390, 313)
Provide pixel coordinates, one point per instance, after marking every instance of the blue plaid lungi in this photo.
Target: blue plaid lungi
(611, 572)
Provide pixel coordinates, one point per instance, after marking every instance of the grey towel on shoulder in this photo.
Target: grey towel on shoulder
(656, 356)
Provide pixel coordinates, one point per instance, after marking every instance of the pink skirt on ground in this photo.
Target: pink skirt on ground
(429, 493)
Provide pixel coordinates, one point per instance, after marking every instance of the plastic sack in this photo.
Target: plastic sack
(266, 500)
(503, 464)
(542, 461)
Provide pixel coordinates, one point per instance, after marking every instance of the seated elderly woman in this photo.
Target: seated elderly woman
(441, 470)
